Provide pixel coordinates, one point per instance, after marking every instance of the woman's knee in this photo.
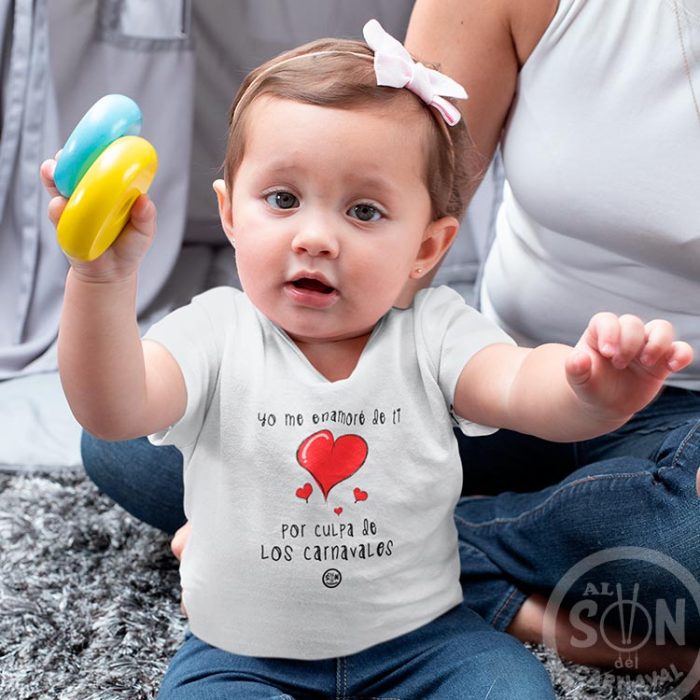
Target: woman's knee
(98, 459)
(144, 479)
(681, 449)
(103, 460)
(90, 450)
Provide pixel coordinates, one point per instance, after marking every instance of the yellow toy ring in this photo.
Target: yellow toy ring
(101, 202)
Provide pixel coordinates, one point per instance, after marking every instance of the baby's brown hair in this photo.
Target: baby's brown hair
(339, 73)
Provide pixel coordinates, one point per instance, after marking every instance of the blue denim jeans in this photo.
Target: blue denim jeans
(634, 487)
(456, 657)
(143, 479)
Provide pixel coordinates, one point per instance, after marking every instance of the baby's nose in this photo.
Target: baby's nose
(316, 240)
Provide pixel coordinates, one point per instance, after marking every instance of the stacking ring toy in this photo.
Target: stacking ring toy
(110, 118)
(103, 168)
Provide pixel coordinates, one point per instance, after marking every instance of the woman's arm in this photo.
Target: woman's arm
(482, 44)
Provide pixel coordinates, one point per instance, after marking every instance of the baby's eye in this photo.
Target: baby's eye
(282, 200)
(365, 212)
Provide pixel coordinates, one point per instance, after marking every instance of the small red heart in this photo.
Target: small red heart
(360, 495)
(338, 510)
(305, 491)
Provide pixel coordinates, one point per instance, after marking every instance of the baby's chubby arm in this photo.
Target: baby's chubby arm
(562, 393)
(117, 387)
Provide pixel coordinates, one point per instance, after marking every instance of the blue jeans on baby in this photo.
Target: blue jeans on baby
(456, 657)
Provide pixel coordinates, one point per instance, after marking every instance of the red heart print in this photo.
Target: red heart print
(359, 494)
(305, 491)
(338, 510)
(331, 461)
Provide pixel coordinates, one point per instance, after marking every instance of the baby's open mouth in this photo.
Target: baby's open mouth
(313, 285)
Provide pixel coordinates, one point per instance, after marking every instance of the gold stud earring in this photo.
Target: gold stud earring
(419, 270)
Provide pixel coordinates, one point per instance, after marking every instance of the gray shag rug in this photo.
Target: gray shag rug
(89, 601)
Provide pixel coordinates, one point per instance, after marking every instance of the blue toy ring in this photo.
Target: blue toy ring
(110, 118)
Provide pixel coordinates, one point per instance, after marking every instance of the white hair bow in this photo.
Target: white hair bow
(395, 68)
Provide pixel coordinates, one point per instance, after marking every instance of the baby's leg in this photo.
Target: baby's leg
(456, 656)
(199, 670)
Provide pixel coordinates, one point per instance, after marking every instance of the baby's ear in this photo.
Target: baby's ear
(225, 211)
(437, 239)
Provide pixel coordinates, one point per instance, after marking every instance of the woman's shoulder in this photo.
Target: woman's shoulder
(482, 44)
(528, 23)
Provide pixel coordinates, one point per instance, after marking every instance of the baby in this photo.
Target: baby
(315, 411)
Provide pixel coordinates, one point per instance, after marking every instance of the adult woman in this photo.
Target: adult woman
(589, 100)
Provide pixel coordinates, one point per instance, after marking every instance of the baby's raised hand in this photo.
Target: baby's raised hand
(620, 363)
(123, 257)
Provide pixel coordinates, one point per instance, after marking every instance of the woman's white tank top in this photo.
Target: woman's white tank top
(602, 156)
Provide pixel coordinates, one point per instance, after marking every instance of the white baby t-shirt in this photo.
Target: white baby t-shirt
(321, 512)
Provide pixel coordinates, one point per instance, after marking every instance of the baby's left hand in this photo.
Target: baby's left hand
(620, 364)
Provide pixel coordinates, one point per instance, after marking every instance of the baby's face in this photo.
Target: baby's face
(328, 212)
